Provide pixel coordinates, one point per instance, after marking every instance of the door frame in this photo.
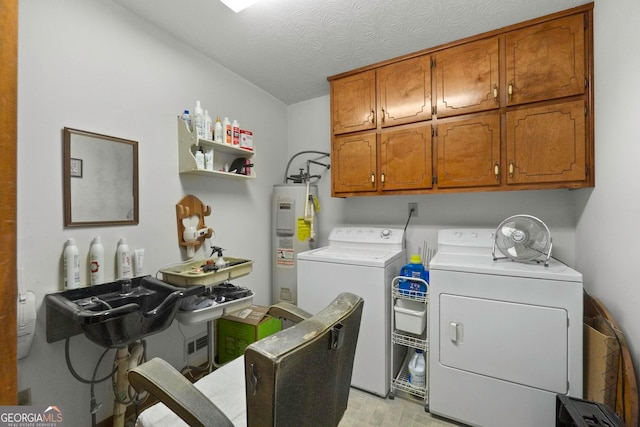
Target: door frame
(8, 199)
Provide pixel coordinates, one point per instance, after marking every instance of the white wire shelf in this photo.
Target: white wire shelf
(408, 293)
(401, 381)
(410, 341)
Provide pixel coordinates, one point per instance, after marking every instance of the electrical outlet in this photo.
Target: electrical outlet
(414, 207)
(24, 397)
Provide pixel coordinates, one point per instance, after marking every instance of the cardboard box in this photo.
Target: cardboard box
(601, 360)
(239, 329)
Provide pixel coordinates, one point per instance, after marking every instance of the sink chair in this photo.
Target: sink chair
(298, 376)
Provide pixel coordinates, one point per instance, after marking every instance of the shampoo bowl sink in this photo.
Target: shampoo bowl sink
(113, 315)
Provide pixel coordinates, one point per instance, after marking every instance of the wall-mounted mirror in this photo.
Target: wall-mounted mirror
(100, 179)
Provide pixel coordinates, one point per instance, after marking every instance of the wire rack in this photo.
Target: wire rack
(401, 381)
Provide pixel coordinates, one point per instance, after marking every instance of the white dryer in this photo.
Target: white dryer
(506, 337)
(362, 261)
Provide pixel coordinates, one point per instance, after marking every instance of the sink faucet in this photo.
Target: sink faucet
(126, 286)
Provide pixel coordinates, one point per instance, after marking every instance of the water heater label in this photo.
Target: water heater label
(284, 252)
(304, 229)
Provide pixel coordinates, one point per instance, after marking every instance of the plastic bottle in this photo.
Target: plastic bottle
(96, 261)
(71, 265)
(198, 121)
(226, 130)
(186, 117)
(123, 259)
(208, 159)
(417, 369)
(217, 130)
(200, 159)
(416, 270)
(208, 125)
(235, 133)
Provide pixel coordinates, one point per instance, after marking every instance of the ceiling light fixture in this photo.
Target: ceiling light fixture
(238, 5)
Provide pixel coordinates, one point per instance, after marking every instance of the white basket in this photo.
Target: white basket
(410, 316)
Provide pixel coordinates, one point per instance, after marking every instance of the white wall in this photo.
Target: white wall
(607, 216)
(91, 65)
(310, 129)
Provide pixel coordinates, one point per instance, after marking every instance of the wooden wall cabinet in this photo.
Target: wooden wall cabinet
(406, 159)
(353, 103)
(392, 95)
(506, 110)
(370, 162)
(404, 91)
(547, 144)
(469, 152)
(354, 163)
(546, 61)
(467, 78)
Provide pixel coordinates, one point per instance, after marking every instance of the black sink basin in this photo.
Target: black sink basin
(113, 316)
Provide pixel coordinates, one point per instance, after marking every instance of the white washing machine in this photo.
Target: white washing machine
(506, 337)
(362, 261)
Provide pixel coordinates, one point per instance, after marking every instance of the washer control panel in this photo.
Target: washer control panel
(366, 235)
(465, 238)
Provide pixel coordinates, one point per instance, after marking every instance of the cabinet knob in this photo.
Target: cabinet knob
(382, 115)
(495, 93)
(373, 116)
(496, 171)
(511, 169)
(510, 90)
(373, 178)
(382, 178)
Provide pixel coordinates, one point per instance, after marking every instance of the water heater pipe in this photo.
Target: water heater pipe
(286, 170)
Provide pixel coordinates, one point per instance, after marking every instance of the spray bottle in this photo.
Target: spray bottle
(123, 259)
(226, 130)
(96, 261)
(186, 117)
(217, 130)
(198, 121)
(200, 161)
(208, 125)
(235, 133)
(71, 265)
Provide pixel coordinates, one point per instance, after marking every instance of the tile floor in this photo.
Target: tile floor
(367, 410)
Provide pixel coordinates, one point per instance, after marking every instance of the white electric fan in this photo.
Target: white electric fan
(523, 238)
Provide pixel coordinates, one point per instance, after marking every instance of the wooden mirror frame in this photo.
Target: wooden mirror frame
(69, 221)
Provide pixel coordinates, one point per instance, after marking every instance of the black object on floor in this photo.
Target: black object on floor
(573, 412)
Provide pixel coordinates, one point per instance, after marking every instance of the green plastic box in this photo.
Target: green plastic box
(237, 330)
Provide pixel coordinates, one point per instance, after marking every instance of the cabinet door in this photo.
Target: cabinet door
(404, 91)
(405, 159)
(467, 78)
(469, 152)
(353, 103)
(547, 144)
(353, 163)
(546, 61)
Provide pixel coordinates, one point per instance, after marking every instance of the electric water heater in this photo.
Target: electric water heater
(295, 229)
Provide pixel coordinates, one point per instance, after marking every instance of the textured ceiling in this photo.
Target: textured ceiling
(289, 47)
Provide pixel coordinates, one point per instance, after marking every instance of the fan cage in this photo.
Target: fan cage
(523, 238)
